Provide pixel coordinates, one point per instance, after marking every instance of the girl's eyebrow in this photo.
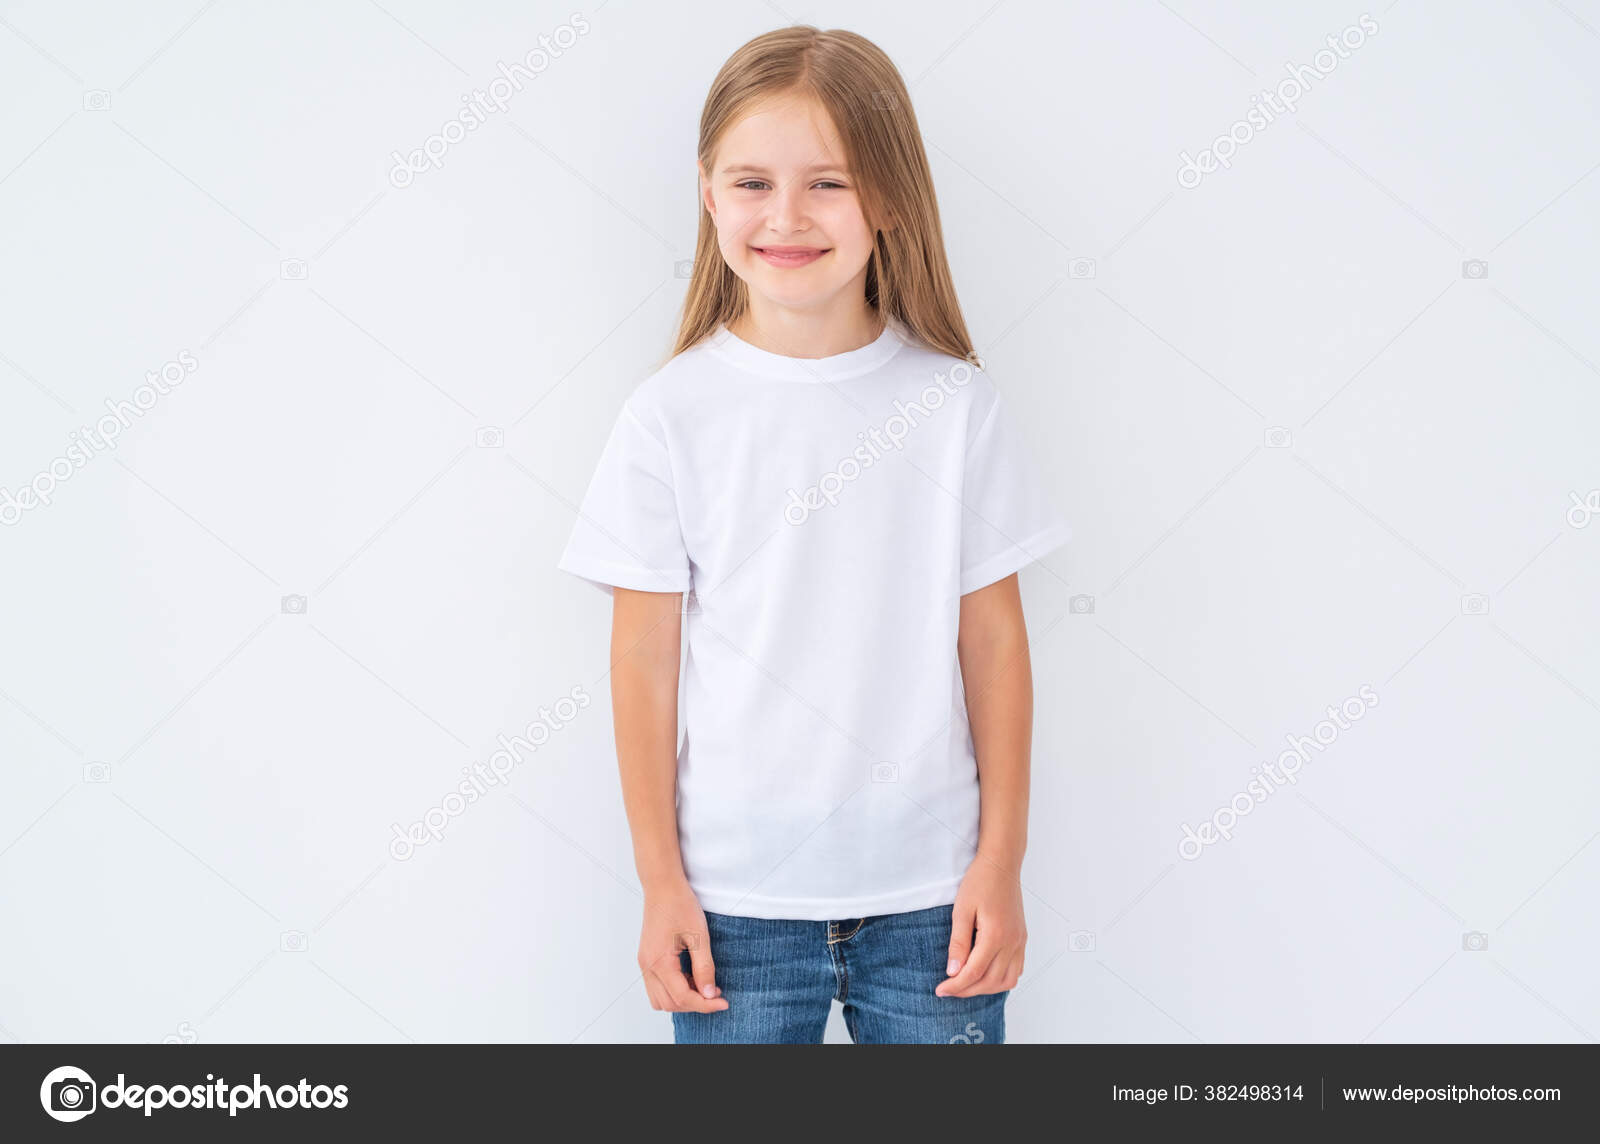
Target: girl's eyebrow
(751, 169)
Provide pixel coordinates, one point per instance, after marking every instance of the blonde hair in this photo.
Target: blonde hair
(908, 278)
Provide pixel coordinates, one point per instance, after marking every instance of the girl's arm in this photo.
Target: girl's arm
(992, 644)
(645, 641)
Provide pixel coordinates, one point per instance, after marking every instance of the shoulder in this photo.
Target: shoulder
(654, 400)
(926, 369)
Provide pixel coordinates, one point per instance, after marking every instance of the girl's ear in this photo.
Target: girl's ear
(706, 198)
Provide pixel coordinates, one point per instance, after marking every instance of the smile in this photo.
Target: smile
(789, 255)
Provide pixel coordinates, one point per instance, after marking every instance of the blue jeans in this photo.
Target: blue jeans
(780, 977)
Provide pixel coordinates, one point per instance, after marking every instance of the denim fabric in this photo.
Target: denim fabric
(780, 976)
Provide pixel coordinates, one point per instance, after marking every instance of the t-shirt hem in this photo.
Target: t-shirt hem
(1015, 558)
(605, 575)
(921, 897)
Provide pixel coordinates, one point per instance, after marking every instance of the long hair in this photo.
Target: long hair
(908, 277)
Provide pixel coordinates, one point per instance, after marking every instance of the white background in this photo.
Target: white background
(326, 445)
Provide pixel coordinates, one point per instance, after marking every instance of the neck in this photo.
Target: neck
(810, 333)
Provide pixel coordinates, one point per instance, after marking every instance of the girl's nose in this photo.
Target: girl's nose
(786, 212)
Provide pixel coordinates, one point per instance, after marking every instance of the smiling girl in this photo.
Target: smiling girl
(846, 815)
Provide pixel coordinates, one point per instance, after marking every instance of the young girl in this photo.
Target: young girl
(844, 498)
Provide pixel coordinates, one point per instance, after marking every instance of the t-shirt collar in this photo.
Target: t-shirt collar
(725, 344)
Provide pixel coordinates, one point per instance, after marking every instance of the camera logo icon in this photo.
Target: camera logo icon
(683, 268)
(1081, 941)
(885, 772)
(293, 605)
(1474, 268)
(293, 941)
(1475, 941)
(1475, 604)
(1081, 605)
(1277, 437)
(96, 772)
(97, 100)
(67, 1094)
(491, 437)
(1081, 268)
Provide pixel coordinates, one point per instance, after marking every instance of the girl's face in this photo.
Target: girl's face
(788, 218)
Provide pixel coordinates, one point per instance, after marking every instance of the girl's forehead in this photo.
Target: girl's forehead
(782, 129)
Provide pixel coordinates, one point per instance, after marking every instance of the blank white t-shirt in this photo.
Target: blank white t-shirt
(826, 516)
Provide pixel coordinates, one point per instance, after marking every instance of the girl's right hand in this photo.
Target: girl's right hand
(673, 921)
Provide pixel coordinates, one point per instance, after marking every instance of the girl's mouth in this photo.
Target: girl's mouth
(789, 255)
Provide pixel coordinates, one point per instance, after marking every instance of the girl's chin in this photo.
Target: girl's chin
(791, 295)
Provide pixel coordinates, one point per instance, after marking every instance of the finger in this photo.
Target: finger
(705, 971)
(657, 1001)
(684, 999)
(978, 962)
(661, 971)
(652, 987)
(994, 978)
(1015, 974)
(962, 923)
(652, 984)
(663, 978)
(659, 963)
(994, 981)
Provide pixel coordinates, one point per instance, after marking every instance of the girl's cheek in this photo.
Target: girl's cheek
(849, 223)
(735, 222)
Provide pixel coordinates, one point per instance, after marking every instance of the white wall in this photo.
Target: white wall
(325, 444)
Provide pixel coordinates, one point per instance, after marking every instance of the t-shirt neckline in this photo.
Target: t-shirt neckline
(852, 363)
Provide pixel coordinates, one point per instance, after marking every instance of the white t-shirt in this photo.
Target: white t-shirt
(826, 516)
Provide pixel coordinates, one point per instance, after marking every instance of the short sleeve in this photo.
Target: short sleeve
(627, 533)
(1008, 520)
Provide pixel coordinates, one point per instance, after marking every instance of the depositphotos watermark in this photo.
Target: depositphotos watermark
(875, 443)
(69, 1094)
(480, 103)
(1267, 105)
(1269, 780)
(1584, 509)
(86, 442)
(184, 1034)
(430, 827)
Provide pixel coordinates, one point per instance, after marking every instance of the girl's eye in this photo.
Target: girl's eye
(762, 185)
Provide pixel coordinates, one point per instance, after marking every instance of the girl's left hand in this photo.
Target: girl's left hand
(990, 901)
